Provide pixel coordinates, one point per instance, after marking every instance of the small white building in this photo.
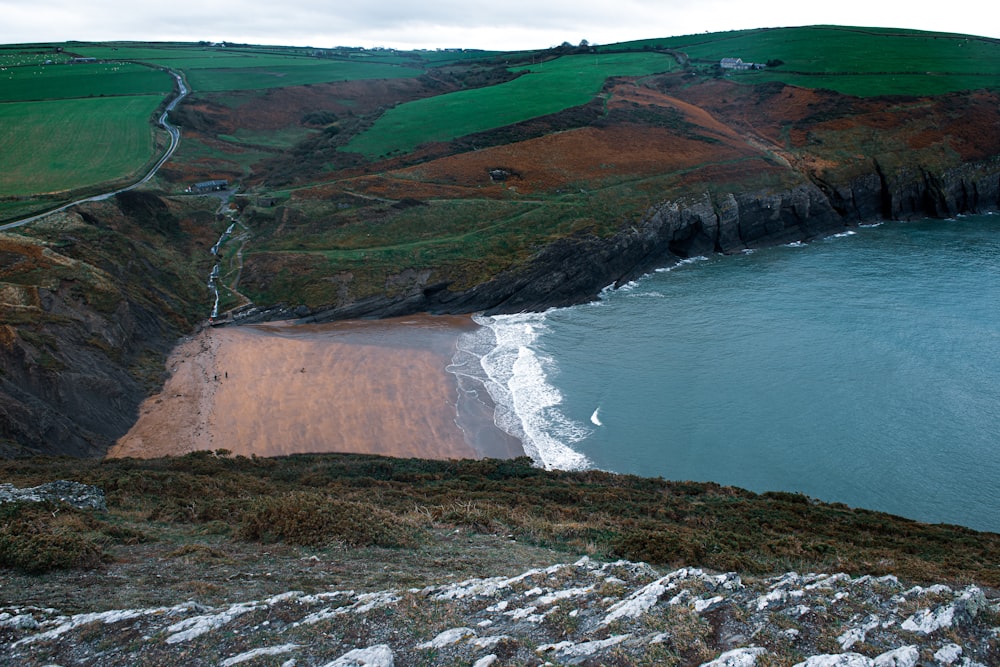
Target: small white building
(738, 64)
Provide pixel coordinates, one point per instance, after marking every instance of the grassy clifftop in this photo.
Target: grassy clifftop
(427, 518)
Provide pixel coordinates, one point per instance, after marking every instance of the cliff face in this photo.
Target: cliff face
(90, 304)
(65, 386)
(81, 348)
(575, 269)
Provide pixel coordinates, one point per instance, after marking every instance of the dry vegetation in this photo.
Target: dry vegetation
(207, 509)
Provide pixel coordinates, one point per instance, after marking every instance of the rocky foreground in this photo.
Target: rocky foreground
(581, 613)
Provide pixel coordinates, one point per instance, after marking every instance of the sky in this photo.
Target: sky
(505, 25)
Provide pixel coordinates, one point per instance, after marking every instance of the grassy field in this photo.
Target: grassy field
(187, 54)
(18, 58)
(50, 82)
(240, 501)
(292, 72)
(67, 144)
(855, 61)
(547, 88)
(212, 69)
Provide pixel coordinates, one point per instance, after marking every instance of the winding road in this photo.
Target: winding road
(175, 139)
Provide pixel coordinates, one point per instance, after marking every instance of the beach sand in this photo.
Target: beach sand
(371, 387)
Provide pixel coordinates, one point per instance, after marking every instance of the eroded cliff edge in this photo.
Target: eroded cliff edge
(117, 283)
(575, 269)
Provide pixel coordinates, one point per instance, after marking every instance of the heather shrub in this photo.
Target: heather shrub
(39, 537)
(673, 546)
(314, 519)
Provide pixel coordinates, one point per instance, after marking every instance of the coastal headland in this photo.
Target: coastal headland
(414, 188)
(450, 184)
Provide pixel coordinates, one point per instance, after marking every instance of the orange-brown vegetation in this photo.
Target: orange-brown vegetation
(578, 157)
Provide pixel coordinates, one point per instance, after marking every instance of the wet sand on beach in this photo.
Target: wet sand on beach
(371, 387)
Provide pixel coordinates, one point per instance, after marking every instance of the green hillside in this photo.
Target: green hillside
(854, 61)
(543, 89)
(69, 144)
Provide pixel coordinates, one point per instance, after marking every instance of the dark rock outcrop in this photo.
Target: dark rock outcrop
(575, 269)
(91, 302)
(67, 389)
(74, 385)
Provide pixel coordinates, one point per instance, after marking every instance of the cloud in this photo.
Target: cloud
(511, 24)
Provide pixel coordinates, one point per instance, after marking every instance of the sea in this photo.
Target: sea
(863, 369)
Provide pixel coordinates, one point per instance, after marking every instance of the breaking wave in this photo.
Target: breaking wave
(502, 356)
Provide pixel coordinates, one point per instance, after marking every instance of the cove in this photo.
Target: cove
(863, 369)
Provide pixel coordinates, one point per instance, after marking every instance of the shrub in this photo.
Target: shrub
(39, 537)
(660, 546)
(313, 519)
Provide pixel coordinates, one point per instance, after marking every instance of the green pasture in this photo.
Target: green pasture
(436, 58)
(142, 51)
(28, 58)
(862, 50)
(855, 61)
(64, 81)
(546, 88)
(213, 68)
(62, 145)
(293, 73)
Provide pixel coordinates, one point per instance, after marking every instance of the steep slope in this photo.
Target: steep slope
(92, 300)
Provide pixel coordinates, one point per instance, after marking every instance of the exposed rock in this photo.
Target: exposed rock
(574, 270)
(557, 615)
(739, 657)
(373, 656)
(80, 496)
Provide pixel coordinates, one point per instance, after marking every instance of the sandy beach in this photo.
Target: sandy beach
(373, 387)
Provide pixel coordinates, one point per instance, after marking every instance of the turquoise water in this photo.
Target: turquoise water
(863, 369)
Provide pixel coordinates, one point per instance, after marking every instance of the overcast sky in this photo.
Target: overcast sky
(486, 24)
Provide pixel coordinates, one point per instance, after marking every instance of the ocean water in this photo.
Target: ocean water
(863, 368)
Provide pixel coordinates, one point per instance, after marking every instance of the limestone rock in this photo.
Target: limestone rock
(80, 496)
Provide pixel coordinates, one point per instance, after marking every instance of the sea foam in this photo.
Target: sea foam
(683, 262)
(502, 356)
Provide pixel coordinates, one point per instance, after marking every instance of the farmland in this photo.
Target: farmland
(291, 72)
(67, 127)
(375, 179)
(68, 144)
(854, 61)
(51, 82)
(545, 88)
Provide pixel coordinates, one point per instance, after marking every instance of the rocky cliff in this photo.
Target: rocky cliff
(96, 299)
(91, 303)
(575, 269)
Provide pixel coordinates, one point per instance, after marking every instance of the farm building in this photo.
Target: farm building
(208, 186)
(738, 64)
(82, 60)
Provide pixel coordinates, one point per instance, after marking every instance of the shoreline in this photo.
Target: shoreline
(357, 386)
